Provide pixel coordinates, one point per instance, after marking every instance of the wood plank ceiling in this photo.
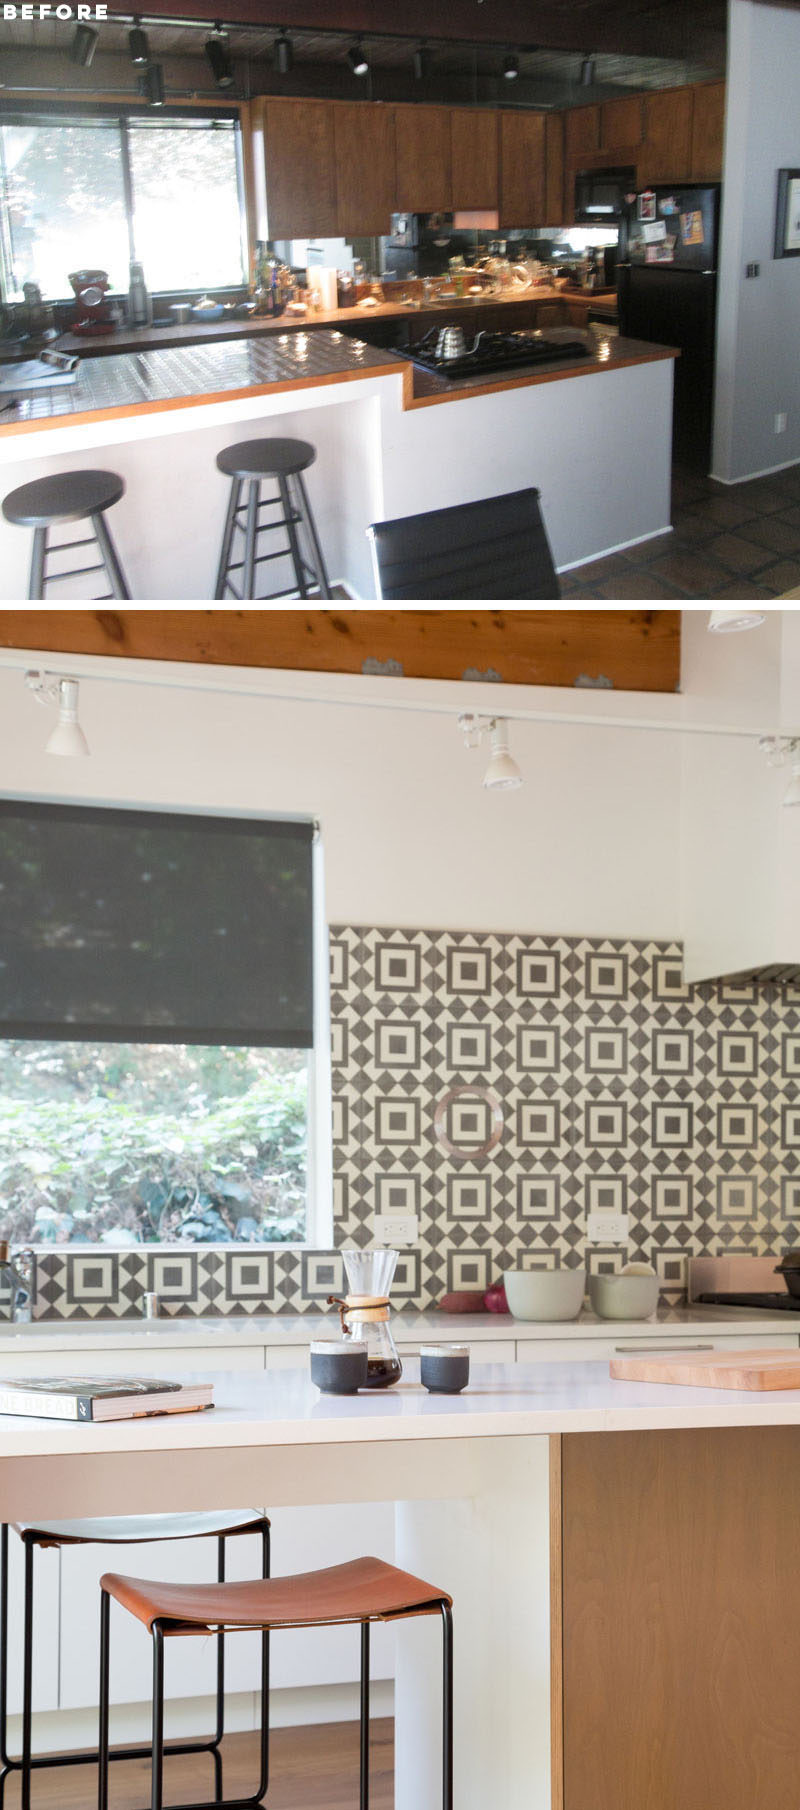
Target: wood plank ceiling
(632, 650)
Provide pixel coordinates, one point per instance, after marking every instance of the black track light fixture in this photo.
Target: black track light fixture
(357, 59)
(587, 72)
(84, 45)
(422, 63)
(283, 52)
(511, 66)
(151, 84)
(138, 45)
(219, 57)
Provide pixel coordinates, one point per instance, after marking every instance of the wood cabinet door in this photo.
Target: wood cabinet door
(299, 169)
(424, 159)
(708, 130)
(581, 134)
(667, 149)
(554, 158)
(621, 122)
(474, 138)
(522, 169)
(365, 174)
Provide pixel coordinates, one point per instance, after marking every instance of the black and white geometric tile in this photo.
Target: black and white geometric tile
(502, 1088)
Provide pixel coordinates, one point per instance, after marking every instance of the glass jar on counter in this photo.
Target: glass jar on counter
(345, 289)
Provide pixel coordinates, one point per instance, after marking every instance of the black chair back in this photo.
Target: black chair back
(497, 548)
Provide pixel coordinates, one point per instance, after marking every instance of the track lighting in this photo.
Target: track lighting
(283, 52)
(511, 67)
(151, 84)
(422, 62)
(502, 773)
(137, 44)
(726, 622)
(219, 57)
(84, 45)
(357, 60)
(48, 688)
(587, 72)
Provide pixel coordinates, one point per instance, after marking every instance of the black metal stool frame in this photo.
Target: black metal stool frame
(27, 1763)
(252, 1803)
(99, 537)
(294, 512)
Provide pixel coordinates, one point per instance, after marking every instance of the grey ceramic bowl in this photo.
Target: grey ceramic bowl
(545, 1294)
(339, 1367)
(624, 1297)
(444, 1369)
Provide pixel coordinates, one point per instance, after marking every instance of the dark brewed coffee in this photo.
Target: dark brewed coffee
(381, 1372)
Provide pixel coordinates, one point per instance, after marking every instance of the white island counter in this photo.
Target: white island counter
(594, 435)
(490, 1491)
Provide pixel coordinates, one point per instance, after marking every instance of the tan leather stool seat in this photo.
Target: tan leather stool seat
(135, 1530)
(362, 1590)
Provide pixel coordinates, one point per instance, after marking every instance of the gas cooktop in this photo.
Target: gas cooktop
(498, 352)
(781, 1299)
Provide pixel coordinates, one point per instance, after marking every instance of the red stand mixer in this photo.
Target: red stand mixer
(93, 314)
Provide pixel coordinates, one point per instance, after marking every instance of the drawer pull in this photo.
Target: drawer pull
(673, 1345)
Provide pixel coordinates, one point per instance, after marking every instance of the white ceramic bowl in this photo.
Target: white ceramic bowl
(624, 1297)
(545, 1294)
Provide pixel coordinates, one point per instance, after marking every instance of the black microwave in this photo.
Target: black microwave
(600, 194)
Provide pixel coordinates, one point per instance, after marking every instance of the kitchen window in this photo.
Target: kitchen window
(161, 1010)
(95, 191)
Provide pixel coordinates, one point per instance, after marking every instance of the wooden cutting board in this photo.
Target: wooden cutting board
(719, 1370)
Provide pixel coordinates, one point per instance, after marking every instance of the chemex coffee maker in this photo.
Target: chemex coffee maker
(364, 1312)
(93, 314)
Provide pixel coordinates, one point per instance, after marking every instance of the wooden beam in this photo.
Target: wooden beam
(632, 650)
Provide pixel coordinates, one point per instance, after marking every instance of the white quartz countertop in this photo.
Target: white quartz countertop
(287, 1330)
(284, 1409)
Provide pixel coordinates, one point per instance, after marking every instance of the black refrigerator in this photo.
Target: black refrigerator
(667, 289)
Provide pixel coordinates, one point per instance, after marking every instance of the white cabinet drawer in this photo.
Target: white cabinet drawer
(482, 1351)
(137, 1359)
(575, 1351)
(289, 1357)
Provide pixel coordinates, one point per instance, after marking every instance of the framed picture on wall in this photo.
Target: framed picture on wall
(787, 218)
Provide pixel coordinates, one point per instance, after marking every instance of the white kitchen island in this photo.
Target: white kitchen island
(594, 435)
(483, 1509)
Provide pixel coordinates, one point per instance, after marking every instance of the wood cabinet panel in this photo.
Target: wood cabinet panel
(424, 159)
(581, 134)
(474, 138)
(708, 130)
(364, 150)
(667, 149)
(554, 173)
(621, 122)
(522, 169)
(299, 168)
(675, 1579)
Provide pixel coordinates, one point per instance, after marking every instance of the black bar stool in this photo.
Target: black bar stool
(122, 1531)
(69, 496)
(284, 461)
(362, 1591)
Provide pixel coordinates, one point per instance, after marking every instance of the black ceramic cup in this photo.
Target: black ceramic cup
(339, 1366)
(444, 1369)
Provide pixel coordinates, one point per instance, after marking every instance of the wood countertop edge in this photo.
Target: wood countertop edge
(84, 417)
(593, 369)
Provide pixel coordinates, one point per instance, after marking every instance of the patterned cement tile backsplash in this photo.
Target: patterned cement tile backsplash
(503, 1087)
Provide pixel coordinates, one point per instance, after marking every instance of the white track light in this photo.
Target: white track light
(67, 738)
(502, 773)
(727, 622)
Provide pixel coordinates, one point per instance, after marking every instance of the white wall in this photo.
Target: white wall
(589, 845)
(758, 371)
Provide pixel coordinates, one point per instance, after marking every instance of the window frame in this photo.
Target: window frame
(319, 1230)
(81, 113)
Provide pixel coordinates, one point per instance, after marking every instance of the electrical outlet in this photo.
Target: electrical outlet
(780, 423)
(607, 1228)
(395, 1228)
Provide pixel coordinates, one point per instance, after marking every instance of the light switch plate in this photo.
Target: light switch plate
(395, 1228)
(607, 1228)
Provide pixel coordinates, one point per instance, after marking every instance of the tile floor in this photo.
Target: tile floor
(740, 541)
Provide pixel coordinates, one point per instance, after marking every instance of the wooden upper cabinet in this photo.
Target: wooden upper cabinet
(708, 131)
(554, 154)
(581, 134)
(299, 169)
(424, 159)
(474, 136)
(522, 169)
(363, 134)
(621, 122)
(667, 148)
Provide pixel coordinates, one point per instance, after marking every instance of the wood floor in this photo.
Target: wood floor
(311, 1769)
